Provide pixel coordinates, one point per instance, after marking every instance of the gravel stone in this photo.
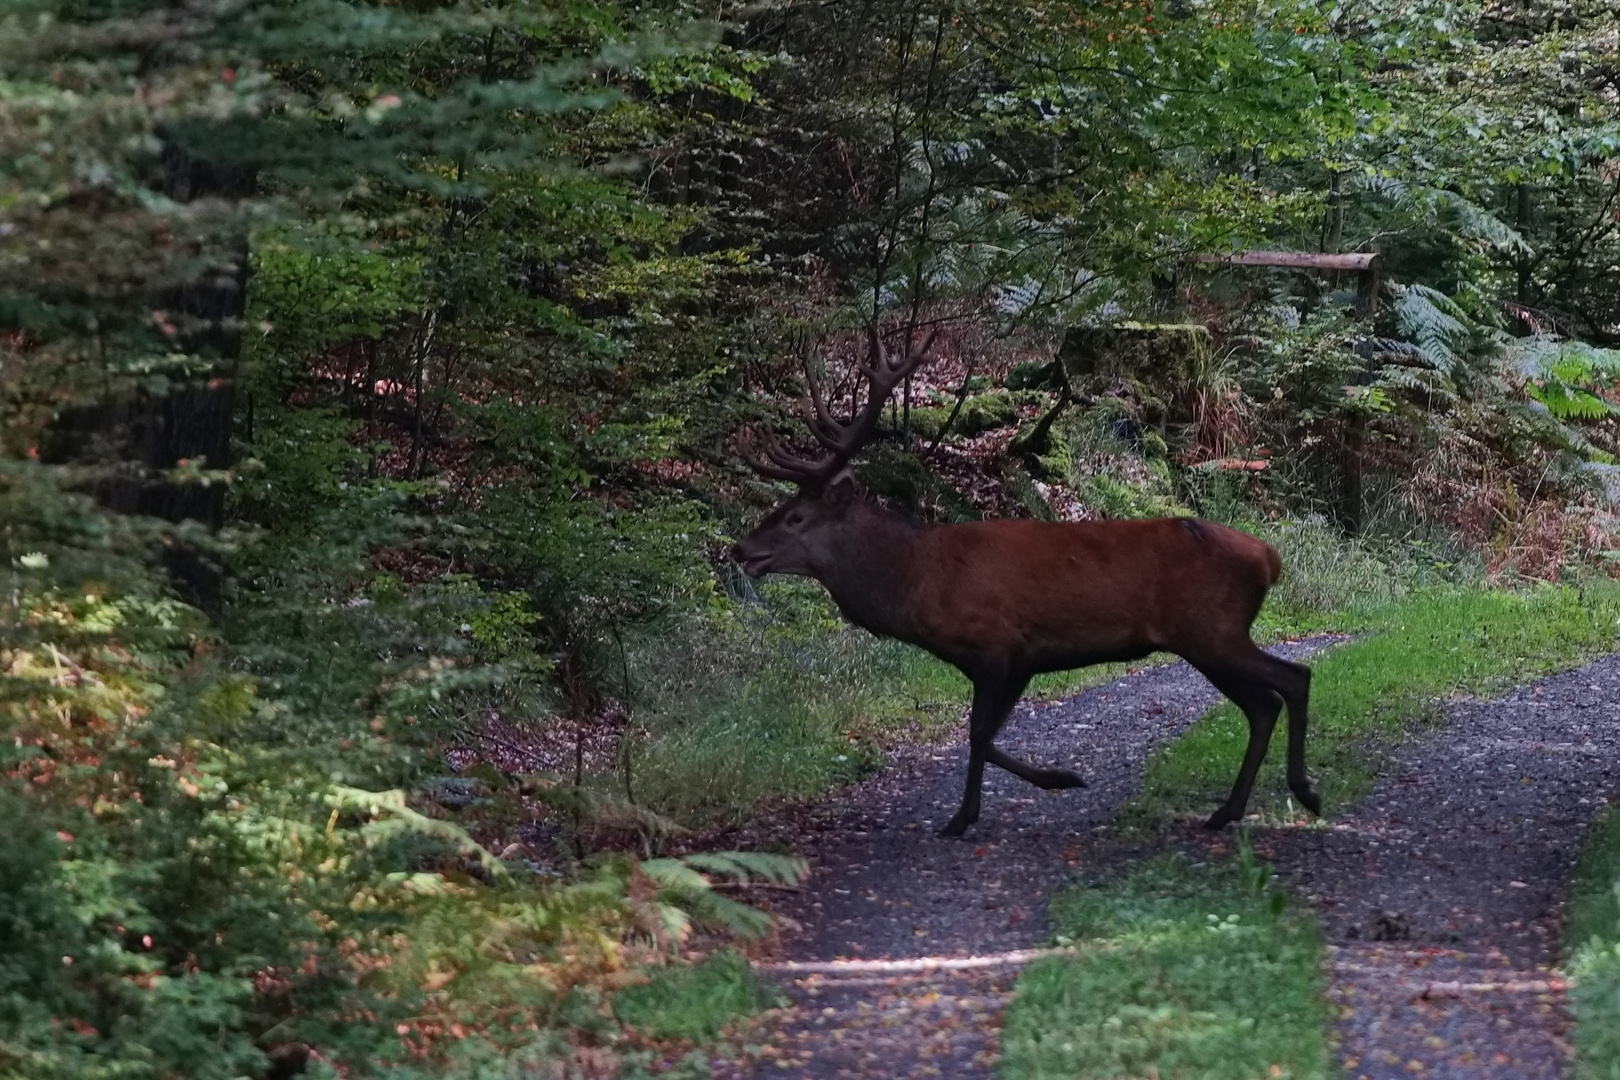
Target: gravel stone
(1441, 892)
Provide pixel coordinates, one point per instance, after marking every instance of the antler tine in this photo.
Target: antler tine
(776, 462)
(842, 440)
(883, 376)
(827, 430)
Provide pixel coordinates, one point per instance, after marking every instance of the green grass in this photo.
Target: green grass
(788, 706)
(1592, 946)
(1180, 970)
(1365, 694)
(696, 1003)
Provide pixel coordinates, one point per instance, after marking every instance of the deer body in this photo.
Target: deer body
(1003, 601)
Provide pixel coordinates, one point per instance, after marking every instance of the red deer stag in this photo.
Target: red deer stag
(1003, 601)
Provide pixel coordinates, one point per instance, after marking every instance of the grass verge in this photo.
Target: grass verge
(1179, 969)
(788, 701)
(1436, 643)
(1592, 945)
(696, 1003)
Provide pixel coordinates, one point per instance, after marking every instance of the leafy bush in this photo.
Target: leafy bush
(204, 869)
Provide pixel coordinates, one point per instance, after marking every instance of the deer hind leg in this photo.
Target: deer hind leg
(1260, 688)
(993, 699)
(1293, 682)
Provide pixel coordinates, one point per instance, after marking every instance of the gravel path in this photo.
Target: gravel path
(1440, 893)
(885, 888)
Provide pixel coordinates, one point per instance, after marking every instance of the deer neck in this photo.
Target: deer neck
(869, 572)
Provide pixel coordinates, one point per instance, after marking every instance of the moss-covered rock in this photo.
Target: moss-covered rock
(979, 413)
(1032, 375)
(1162, 366)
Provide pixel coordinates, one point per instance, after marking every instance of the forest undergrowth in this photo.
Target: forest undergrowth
(371, 377)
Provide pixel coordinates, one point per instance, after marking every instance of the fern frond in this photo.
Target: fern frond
(1531, 356)
(675, 875)
(1536, 422)
(392, 817)
(1604, 477)
(1385, 186)
(1449, 210)
(743, 866)
(1382, 347)
(1432, 385)
(683, 888)
(1475, 222)
(1544, 354)
(1563, 375)
(1566, 402)
(1434, 323)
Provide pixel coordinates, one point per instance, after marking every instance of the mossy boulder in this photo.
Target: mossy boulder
(1032, 375)
(978, 414)
(1162, 366)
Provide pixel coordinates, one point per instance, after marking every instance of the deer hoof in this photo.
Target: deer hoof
(1060, 779)
(1220, 819)
(1309, 799)
(954, 827)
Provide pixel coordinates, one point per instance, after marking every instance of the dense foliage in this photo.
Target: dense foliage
(369, 374)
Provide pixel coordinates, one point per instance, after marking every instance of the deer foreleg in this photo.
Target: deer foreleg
(992, 701)
(1046, 779)
(968, 813)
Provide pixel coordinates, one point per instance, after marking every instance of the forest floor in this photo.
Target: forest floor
(1439, 892)
(885, 888)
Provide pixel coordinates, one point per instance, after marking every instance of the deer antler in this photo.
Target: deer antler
(842, 439)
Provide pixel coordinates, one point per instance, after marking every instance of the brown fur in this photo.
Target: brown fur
(1006, 600)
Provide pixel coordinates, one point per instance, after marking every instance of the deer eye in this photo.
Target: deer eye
(795, 519)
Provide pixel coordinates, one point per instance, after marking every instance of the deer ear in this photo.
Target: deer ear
(840, 490)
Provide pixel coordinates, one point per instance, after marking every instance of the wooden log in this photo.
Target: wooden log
(1357, 262)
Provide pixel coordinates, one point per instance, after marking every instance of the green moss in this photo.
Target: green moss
(1118, 499)
(1163, 365)
(979, 413)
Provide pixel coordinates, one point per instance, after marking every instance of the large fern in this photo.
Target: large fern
(1535, 422)
(1435, 324)
(1564, 376)
(1450, 211)
(686, 894)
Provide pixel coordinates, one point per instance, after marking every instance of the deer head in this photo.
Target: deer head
(796, 538)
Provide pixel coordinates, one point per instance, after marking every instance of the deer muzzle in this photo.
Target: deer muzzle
(754, 563)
